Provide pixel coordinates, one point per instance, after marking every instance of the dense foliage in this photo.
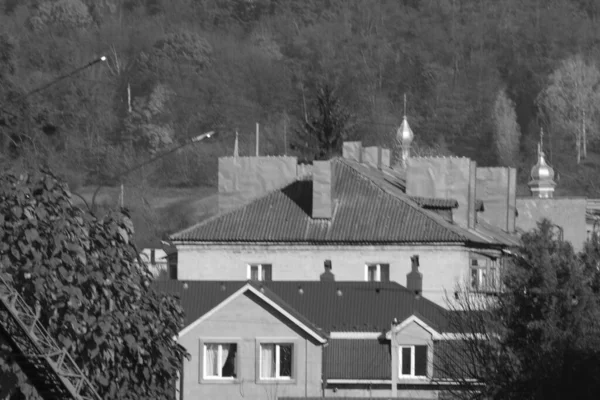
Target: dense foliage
(178, 68)
(93, 295)
(542, 333)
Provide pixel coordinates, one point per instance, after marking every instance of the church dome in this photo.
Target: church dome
(405, 134)
(542, 171)
(542, 178)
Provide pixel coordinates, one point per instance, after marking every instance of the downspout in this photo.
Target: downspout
(395, 361)
(181, 379)
(305, 367)
(324, 369)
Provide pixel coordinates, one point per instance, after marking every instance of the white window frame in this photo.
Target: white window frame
(377, 272)
(412, 363)
(219, 361)
(277, 359)
(492, 278)
(261, 276)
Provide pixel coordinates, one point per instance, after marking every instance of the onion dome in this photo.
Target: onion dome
(404, 134)
(542, 178)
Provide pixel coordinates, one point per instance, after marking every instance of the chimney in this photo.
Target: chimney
(322, 201)
(414, 279)
(371, 156)
(327, 276)
(376, 157)
(386, 158)
(352, 151)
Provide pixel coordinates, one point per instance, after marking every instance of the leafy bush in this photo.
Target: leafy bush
(95, 297)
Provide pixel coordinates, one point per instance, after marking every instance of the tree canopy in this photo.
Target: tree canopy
(93, 294)
(227, 65)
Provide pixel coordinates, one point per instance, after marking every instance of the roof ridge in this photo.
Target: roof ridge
(222, 214)
(406, 200)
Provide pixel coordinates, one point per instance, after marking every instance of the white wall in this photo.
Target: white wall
(442, 267)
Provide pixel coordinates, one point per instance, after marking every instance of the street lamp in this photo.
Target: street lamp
(123, 174)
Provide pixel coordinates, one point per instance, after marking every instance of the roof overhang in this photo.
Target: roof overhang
(356, 335)
(408, 321)
(248, 287)
(324, 244)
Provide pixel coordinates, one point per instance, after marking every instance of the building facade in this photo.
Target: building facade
(310, 339)
(354, 212)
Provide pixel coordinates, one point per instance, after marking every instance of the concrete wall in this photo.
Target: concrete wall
(445, 178)
(496, 187)
(243, 179)
(569, 213)
(244, 320)
(442, 267)
(377, 392)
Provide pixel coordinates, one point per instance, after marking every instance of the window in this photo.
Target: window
(260, 272)
(413, 361)
(220, 360)
(484, 274)
(276, 360)
(377, 272)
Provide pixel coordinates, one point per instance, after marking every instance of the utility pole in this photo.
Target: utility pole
(285, 134)
(257, 138)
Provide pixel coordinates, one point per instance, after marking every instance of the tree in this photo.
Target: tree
(145, 125)
(507, 134)
(570, 100)
(539, 338)
(94, 295)
(64, 13)
(326, 127)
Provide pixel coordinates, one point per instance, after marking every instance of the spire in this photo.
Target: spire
(236, 146)
(542, 175)
(404, 137)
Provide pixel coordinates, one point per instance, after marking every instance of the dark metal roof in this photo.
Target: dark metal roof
(370, 359)
(358, 359)
(428, 202)
(367, 210)
(357, 307)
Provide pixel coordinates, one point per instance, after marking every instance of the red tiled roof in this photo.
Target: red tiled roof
(361, 307)
(366, 211)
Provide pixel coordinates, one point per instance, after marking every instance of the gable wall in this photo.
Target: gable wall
(442, 267)
(244, 320)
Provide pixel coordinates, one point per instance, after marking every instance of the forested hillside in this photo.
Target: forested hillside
(481, 78)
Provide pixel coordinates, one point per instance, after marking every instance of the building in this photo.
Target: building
(161, 260)
(574, 217)
(280, 220)
(310, 339)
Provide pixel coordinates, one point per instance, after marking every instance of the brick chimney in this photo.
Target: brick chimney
(322, 200)
(414, 279)
(327, 276)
